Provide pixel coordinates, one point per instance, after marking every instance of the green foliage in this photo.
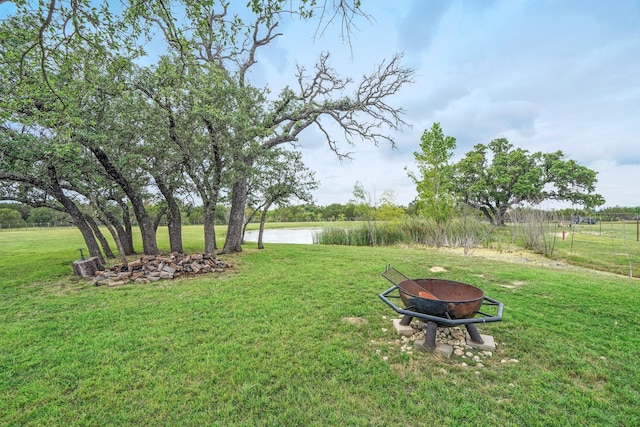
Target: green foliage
(23, 209)
(497, 176)
(10, 218)
(387, 209)
(435, 198)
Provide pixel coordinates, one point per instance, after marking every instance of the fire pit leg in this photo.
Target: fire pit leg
(474, 334)
(430, 338)
(406, 319)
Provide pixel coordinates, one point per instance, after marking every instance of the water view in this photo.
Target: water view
(303, 236)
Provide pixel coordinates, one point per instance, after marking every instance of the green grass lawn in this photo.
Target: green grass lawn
(266, 344)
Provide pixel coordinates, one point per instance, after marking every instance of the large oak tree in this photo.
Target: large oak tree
(497, 176)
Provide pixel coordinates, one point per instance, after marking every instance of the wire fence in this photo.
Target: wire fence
(609, 242)
(26, 226)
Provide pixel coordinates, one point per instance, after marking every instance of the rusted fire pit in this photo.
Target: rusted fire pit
(440, 302)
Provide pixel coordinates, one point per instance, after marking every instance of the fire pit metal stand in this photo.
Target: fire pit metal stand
(433, 321)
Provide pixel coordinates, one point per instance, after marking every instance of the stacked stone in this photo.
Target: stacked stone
(152, 268)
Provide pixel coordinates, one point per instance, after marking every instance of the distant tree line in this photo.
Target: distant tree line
(13, 215)
(20, 215)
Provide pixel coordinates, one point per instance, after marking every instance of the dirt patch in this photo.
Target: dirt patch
(438, 269)
(515, 256)
(354, 320)
(514, 285)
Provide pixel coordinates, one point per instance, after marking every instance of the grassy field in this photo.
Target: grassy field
(266, 344)
(607, 246)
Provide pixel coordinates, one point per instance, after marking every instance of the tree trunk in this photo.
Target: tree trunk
(78, 218)
(87, 234)
(488, 214)
(174, 219)
(263, 217)
(103, 242)
(149, 243)
(121, 249)
(119, 233)
(208, 216)
(233, 241)
(246, 223)
(158, 218)
(112, 224)
(126, 232)
(174, 225)
(501, 214)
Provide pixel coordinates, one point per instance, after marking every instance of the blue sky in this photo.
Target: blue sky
(547, 75)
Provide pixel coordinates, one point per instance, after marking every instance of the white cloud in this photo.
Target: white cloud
(557, 76)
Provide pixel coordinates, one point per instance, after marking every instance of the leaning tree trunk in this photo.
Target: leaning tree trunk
(174, 219)
(233, 242)
(488, 214)
(247, 221)
(87, 234)
(149, 242)
(112, 224)
(103, 241)
(126, 230)
(263, 218)
(125, 237)
(77, 216)
(121, 249)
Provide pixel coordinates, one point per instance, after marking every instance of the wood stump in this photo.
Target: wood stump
(87, 267)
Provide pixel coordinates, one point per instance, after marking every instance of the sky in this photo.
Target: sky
(546, 75)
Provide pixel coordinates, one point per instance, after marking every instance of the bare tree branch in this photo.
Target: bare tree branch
(364, 115)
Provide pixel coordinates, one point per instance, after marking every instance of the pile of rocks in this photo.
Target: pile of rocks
(151, 268)
(453, 336)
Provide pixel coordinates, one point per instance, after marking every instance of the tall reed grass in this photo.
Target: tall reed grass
(461, 232)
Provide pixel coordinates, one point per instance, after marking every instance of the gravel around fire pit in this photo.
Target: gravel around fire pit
(466, 355)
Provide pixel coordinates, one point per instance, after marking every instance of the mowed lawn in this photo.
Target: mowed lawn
(267, 344)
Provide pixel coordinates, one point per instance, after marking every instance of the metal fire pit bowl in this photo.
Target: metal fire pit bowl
(440, 302)
(455, 300)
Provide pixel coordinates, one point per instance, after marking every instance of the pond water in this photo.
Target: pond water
(303, 236)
